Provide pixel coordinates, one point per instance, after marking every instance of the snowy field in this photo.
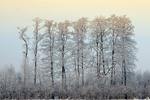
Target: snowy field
(88, 99)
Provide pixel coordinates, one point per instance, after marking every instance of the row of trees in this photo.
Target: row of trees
(81, 54)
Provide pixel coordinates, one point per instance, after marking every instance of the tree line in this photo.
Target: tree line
(79, 59)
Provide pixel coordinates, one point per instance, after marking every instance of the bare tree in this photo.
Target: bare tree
(80, 27)
(99, 28)
(114, 33)
(77, 37)
(63, 36)
(37, 38)
(25, 38)
(127, 44)
(48, 47)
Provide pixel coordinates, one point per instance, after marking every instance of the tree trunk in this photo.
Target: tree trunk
(63, 67)
(25, 66)
(78, 61)
(102, 50)
(125, 78)
(97, 54)
(35, 70)
(51, 53)
(122, 74)
(123, 60)
(112, 69)
(52, 62)
(82, 66)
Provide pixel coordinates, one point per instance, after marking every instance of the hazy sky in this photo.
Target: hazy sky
(19, 13)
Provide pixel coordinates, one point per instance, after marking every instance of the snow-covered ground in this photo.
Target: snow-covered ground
(142, 99)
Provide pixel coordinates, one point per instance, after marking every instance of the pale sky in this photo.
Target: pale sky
(19, 13)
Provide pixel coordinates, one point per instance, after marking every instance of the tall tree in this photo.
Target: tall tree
(48, 47)
(127, 46)
(77, 38)
(37, 37)
(25, 38)
(80, 27)
(63, 36)
(99, 28)
(114, 33)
